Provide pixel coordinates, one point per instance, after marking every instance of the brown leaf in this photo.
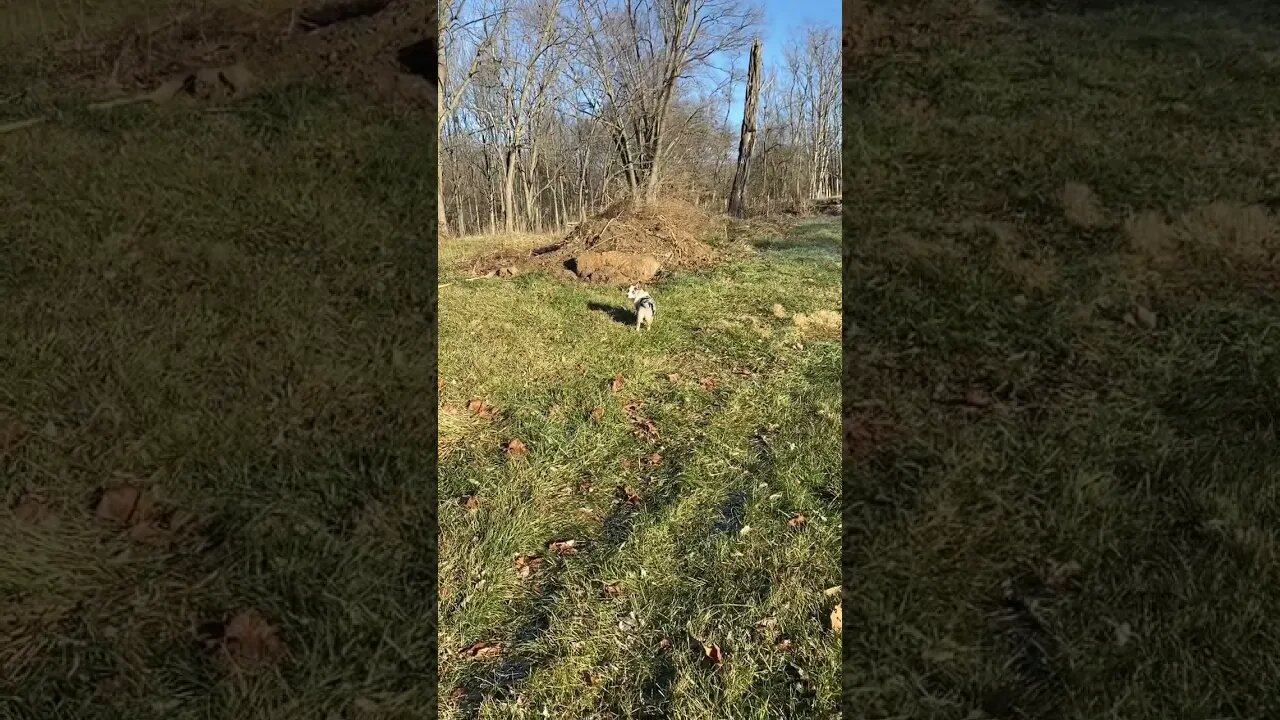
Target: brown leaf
(516, 448)
(449, 409)
(632, 408)
(563, 547)
(653, 460)
(783, 645)
(480, 408)
(31, 510)
(482, 650)
(586, 487)
(837, 619)
(248, 638)
(645, 430)
(617, 384)
(628, 495)
(470, 503)
(527, 565)
(588, 679)
(664, 644)
(125, 505)
(797, 522)
(597, 414)
(458, 695)
(714, 654)
(151, 533)
(614, 589)
(709, 383)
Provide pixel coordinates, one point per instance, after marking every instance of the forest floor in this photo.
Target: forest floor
(1064, 372)
(693, 470)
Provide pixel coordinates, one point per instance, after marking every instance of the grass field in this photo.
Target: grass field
(680, 481)
(232, 312)
(1064, 376)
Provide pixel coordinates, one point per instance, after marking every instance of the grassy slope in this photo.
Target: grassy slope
(1100, 541)
(753, 451)
(233, 310)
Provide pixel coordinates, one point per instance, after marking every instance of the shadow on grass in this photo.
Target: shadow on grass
(621, 315)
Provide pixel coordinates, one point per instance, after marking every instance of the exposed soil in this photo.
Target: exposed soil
(626, 243)
(383, 48)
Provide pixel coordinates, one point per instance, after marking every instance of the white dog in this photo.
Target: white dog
(644, 307)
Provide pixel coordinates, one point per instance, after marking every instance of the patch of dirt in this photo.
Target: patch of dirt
(377, 47)
(627, 243)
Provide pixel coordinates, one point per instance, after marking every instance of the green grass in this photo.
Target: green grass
(234, 311)
(759, 447)
(1099, 541)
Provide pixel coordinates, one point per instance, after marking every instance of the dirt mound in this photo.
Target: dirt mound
(628, 243)
(383, 48)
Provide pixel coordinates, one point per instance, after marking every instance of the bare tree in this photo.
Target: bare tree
(747, 141)
(454, 27)
(635, 52)
(552, 110)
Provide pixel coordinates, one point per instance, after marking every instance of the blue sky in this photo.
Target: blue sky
(782, 19)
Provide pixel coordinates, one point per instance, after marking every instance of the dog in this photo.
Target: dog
(644, 307)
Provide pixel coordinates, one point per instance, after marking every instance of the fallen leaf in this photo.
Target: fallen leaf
(714, 654)
(709, 383)
(597, 414)
(645, 430)
(587, 679)
(632, 408)
(151, 533)
(629, 622)
(586, 487)
(480, 408)
(628, 495)
(1146, 317)
(563, 547)
(664, 644)
(783, 645)
(837, 619)
(125, 504)
(614, 589)
(1124, 633)
(617, 384)
(527, 565)
(653, 460)
(832, 591)
(516, 448)
(31, 510)
(249, 638)
(482, 650)
(458, 695)
(470, 503)
(674, 377)
(797, 522)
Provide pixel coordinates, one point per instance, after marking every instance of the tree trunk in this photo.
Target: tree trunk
(509, 190)
(747, 141)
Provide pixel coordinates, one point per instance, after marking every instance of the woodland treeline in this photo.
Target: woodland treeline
(550, 110)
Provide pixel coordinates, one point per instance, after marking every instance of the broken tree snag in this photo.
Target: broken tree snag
(747, 141)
